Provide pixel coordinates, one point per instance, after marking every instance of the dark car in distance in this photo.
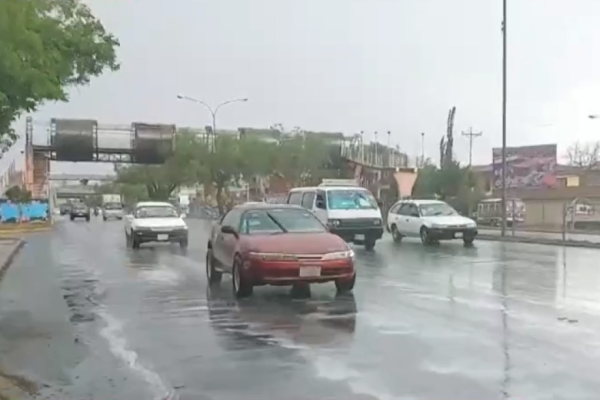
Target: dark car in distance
(80, 210)
(277, 244)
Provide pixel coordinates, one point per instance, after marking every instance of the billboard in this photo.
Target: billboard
(153, 142)
(526, 166)
(73, 139)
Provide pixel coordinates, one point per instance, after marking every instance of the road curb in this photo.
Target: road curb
(11, 256)
(547, 242)
(24, 230)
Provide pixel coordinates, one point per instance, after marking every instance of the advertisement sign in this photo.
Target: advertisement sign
(526, 166)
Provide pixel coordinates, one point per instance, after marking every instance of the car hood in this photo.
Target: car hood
(296, 243)
(449, 220)
(159, 222)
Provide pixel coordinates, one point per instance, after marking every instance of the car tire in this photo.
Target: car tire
(241, 287)
(72, 218)
(104, 218)
(369, 243)
(135, 244)
(183, 243)
(468, 240)
(345, 286)
(396, 235)
(212, 275)
(425, 237)
(87, 218)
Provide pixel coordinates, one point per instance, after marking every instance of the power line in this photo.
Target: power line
(471, 135)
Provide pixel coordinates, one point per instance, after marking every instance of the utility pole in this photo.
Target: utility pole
(422, 163)
(471, 135)
(504, 59)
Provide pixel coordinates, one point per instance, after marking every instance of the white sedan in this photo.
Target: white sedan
(430, 220)
(155, 222)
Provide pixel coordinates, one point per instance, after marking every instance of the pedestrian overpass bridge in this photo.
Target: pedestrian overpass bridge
(81, 177)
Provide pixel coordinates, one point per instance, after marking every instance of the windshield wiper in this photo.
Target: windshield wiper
(277, 223)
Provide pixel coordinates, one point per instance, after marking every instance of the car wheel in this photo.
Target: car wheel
(369, 243)
(104, 218)
(396, 235)
(72, 218)
(425, 236)
(183, 243)
(241, 287)
(345, 286)
(87, 218)
(468, 240)
(212, 275)
(135, 244)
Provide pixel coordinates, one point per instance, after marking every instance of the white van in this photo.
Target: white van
(349, 210)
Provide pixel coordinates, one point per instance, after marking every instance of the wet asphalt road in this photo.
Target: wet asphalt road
(497, 321)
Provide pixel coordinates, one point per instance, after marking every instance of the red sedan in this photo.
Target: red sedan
(277, 244)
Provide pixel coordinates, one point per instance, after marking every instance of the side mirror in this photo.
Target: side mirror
(320, 204)
(379, 203)
(416, 215)
(183, 215)
(229, 230)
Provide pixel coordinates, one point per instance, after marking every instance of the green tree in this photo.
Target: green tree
(18, 194)
(47, 47)
(182, 167)
(304, 159)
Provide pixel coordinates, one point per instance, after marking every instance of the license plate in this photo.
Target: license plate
(162, 237)
(458, 235)
(310, 272)
(359, 237)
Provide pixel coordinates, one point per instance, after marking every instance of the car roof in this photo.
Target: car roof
(423, 201)
(266, 206)
(326, 188)
(153, 204)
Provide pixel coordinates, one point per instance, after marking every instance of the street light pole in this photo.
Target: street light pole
(504, 56)
(213, 113)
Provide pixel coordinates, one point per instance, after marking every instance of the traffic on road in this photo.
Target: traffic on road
(492, 320)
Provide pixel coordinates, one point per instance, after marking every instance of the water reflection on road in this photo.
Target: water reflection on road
(497, 320)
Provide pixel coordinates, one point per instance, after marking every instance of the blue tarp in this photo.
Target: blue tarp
(12, 212)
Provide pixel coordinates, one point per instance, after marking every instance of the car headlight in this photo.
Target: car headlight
(334, 222)
(377, 221)
(141, 228)
(472, 224)
(437, 226)
(339, 255)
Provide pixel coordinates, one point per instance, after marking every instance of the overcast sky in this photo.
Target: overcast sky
(352, 65)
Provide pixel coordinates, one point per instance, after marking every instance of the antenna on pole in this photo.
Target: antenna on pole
(471, 135)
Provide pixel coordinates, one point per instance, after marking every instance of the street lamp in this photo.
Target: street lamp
(213, 111)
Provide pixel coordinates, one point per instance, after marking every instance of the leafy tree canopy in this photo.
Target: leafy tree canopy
(47, 47)
(18, 194)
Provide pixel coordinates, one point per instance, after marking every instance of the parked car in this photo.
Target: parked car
(112, 210)
(80, 210)
(431, 220)
(277, 244)
(155, 222)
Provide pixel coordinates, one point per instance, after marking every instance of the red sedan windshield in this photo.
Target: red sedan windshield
(282, 220)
